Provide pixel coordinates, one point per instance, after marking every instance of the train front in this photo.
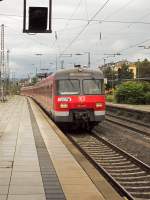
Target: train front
(79, 97)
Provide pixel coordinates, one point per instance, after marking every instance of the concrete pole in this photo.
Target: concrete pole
(8, 73)
(2, 63)
(138, 70)
(56, 62)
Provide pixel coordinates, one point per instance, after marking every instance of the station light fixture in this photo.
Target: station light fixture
(39, 19)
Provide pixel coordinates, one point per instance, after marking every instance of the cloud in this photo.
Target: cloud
(115, 36)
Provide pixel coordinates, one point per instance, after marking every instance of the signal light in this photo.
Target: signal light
(38, 18)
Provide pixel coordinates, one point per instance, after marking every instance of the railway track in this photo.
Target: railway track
(139, 127)
(126, 173)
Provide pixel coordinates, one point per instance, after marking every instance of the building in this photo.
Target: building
(132, 66)
(117, 65)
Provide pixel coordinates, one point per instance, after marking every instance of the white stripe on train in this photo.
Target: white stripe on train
(66, 113)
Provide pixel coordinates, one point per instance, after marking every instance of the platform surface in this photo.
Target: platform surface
(145, 108)
(34, 163)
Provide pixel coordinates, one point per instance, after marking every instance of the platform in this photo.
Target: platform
(35, 164)
(145, 108)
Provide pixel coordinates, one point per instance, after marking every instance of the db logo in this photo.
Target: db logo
(82, 98)
(64, 99)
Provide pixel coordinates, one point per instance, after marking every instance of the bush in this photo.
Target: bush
(131, 93)
(146, 87)
(147, 98)
(110, 98)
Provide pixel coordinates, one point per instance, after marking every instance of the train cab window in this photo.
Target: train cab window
(92, 86)
(68, 87)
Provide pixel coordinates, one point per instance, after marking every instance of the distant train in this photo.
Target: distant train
(74, 96)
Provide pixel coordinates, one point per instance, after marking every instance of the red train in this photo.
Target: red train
(71, 96)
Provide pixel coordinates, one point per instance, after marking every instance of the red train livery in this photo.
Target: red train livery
(71, 96)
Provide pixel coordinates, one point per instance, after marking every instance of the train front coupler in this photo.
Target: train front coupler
(82, 118)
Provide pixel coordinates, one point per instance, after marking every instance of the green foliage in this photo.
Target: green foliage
(14, 89)
(34, 80)
(124, 72)
(146, 86)
(147, 98)
(109, 73)
(109, 98)
(111, 76)
(144, 68)
(133, 93)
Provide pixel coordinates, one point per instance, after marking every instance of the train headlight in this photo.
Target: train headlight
(99, 105)
(63, 105)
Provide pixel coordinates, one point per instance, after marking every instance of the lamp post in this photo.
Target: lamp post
(113, 66)
(40, 54)
(138, 70)
(35, 68)
(62, 60)
(138, 67)
(89, 59)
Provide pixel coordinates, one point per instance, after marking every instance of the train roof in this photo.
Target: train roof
(78, 72)
(75, 73)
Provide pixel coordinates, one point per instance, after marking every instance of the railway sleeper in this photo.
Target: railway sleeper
(106, 157)
(135, 183)
(122, 160)
(96, 150)
(128, 174)
(105, 154)
(133, 178)
(92, 147)
(121, 164)
(120, 167)
(140, 188)
(142, 196)
(123, 170)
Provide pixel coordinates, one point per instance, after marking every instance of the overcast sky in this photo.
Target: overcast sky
(123, 24)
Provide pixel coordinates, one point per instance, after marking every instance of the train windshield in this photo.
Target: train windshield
(92, 86)
(68, 87)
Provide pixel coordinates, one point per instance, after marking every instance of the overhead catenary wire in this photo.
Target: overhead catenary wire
(141, 18)
(129, 47)
(135, 45)
(75, 10)
(119, 9)
(86, 9)
(87, 24)
(94, 20)
(104, 21)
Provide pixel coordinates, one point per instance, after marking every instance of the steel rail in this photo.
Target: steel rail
(143, 132)
(103, 169)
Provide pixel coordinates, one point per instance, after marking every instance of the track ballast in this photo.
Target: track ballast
(128, 175)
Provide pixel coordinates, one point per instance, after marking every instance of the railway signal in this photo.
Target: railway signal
(39, 19)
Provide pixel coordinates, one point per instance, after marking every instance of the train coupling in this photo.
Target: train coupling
(83, 115)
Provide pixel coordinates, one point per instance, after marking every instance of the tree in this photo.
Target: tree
(125, 73)
(34, 80)
(110, 74)
(144, 69)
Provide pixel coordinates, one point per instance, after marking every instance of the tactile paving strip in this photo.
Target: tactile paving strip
(52, 187)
